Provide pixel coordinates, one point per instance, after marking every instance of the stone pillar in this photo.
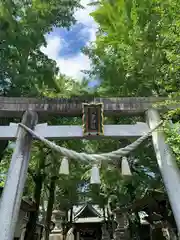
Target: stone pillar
(105, 233)
(121, 232)
(78, 236)
(167, 164)
(13, 190)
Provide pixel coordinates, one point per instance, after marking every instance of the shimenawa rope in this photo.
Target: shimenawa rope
(71, 154)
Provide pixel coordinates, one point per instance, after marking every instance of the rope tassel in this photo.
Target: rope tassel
(95, 176)
(64, 168)
(125, 168)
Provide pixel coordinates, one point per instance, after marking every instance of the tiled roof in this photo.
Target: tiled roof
(78, 209)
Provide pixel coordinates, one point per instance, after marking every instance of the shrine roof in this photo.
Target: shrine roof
(149, 200)
(87, 213)
(87, 210)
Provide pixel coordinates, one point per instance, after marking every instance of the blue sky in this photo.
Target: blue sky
(65, 46)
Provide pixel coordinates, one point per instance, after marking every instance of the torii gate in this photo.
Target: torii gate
(15, 107)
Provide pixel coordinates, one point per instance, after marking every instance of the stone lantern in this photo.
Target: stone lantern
(121, 231)
(57, 232)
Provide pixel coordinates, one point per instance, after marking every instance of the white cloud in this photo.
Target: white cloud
(72, 66)
(53, 47)
(82, 16)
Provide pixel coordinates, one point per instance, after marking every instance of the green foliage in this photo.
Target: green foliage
(23, 25)
(4, 165)
(66, 87)
(136, 54)
(26, 71)
(173, 139)
(136, 51)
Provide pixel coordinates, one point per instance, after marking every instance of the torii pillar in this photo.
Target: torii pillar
(167, 165)
(17, 173)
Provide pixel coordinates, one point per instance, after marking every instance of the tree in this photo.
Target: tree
(136, 54)
(38, 175)
(23, 26)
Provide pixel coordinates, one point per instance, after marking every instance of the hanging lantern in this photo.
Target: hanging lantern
(64, 168)
(125, 169)
(95, 177)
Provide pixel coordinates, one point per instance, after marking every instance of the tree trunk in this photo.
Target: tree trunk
(3, 146)
(31, 225)
(71, 215)
(64, 228)
(104, 213)
(50, 207)
(43, 211)
(66, 215)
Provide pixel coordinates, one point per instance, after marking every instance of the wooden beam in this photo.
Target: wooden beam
(76, 132)
(17, 173)
(14, 107)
